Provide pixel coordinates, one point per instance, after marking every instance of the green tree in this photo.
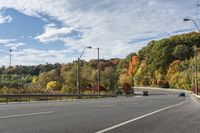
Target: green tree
(69, 76)
(108, 78)
(183, 52)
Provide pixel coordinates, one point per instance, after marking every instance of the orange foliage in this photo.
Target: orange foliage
(132, 65)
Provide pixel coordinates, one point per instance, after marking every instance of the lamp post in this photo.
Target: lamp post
(78, 71)
(10, 50)
(98, 72)
(196, 75)
(187, 19)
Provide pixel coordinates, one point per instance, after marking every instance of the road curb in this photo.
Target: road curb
(197, 96)
(170, 89)
(156, 88)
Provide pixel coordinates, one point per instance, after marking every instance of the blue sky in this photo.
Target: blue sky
(57, 31)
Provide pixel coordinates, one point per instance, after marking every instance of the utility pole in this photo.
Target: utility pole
(78, 78)
(196, 73)
(98, 72)
(78, 72)
(10, 57)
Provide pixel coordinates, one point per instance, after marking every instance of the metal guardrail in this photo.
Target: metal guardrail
(45, 97)
(197, 96)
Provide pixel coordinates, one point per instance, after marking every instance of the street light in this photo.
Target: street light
(78, 71)
(196, 77)
(10, 50)
(98, 71)
(187, 19)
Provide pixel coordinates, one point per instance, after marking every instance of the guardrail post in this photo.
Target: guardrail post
(29, 99)
(20, 99)
(7, 99)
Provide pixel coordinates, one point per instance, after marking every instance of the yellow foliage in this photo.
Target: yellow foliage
(124, 78)
(54, 85)
(34, 80)
(173, 68)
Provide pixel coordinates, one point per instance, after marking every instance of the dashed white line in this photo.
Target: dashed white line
(29, 114)
(140, 117)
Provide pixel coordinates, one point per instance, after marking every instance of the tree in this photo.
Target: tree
(54, 85)
(133, 65)
(180, 81)
(42, 80)
(124, 78)
(130, 56)
(140, 75)
(69, 76)
(53, 75)
(108, 78)
(173, 68)
(87, 78)
(183, 52)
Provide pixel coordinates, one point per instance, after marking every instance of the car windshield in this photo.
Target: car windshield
(99, 66)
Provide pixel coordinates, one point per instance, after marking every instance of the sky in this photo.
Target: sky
(57, 31)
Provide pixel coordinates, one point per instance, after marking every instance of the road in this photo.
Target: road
(161, 112)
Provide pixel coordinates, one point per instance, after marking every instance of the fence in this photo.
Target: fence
(45, 97)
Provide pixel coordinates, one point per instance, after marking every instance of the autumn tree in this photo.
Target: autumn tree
(124, 78)
(133, 65)
(54, 85)
(173, 68)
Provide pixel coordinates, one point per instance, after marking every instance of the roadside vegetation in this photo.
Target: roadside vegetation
(164, 63)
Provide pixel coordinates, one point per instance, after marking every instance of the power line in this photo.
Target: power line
(198, 11)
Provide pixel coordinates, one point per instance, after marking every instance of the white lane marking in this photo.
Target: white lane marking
(106, 106)
(29, 114)
(140, 117)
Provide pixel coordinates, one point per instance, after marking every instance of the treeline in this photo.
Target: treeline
(168, 62)
(164, 63)
(61, 78)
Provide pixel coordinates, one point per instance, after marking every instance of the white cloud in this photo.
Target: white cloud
(108, 24)
(5, 41)
(5, 19)
(11, 43)
(34, 56)
(52, 33)
(14, 46)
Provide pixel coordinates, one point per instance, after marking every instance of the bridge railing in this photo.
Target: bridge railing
(6, 98)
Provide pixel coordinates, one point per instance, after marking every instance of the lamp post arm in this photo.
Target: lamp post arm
(82, 53)
(196, 25)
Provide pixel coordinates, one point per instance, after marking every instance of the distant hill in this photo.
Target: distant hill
(168, 62)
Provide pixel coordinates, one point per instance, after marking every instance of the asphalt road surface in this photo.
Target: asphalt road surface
(160, 112)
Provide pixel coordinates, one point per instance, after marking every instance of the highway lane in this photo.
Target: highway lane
(88, 116)
(181, 119)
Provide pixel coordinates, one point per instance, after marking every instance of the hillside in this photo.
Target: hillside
(164, 63)
(168, 62)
